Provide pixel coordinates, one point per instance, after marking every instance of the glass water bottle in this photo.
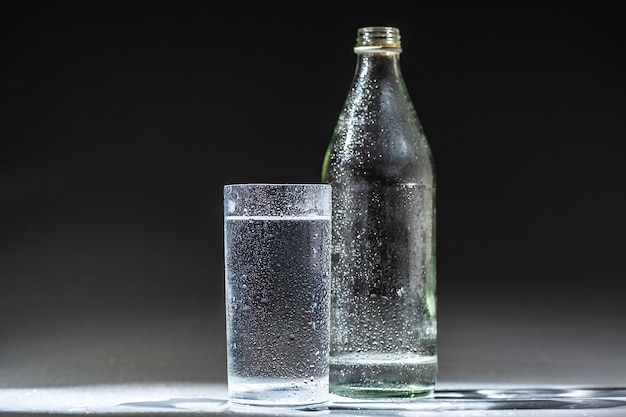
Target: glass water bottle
(383, 303)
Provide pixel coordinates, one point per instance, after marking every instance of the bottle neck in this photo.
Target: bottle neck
(378, 65)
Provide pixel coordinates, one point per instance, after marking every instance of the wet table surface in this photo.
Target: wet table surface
(517, 356)
(211, 399)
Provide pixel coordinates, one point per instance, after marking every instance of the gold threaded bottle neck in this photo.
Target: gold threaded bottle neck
(378, 38)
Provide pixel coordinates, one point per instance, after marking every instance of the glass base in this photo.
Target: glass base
(273, 392)
(244, 404)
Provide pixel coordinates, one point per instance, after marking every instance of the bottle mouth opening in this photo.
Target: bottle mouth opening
(376, 37)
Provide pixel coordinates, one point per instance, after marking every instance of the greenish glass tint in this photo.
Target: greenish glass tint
(383, 342)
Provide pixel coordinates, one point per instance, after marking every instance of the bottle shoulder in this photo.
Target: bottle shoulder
(388, 149)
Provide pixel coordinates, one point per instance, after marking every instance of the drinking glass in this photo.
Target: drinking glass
(277, 265)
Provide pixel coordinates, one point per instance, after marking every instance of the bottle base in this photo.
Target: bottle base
(348, 393)
(380, 376)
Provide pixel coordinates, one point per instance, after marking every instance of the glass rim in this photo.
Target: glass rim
(277, 185)
(282, 200)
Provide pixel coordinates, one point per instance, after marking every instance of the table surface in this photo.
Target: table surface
(517, 354)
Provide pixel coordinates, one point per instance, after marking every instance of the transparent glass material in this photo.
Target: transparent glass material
(277, 261)
(383, 303)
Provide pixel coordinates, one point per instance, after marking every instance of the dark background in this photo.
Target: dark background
(120, 122)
